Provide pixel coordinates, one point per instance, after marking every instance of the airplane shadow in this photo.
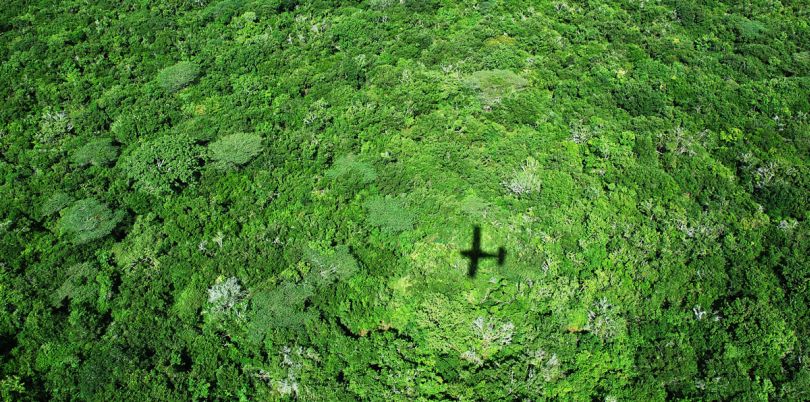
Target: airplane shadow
(476, 254)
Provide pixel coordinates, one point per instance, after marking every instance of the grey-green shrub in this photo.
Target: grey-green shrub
(54, 203)
(526, 180)
(494, 85)
(349, 166)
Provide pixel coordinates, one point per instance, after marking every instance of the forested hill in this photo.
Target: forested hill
(276, 200)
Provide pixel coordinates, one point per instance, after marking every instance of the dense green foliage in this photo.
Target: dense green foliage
(267, 200)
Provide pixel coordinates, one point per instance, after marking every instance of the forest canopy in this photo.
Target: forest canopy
(405, 200)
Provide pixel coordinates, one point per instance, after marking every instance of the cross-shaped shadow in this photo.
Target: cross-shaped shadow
(475, 253)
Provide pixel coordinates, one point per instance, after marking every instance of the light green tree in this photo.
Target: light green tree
(87, 220)
(96, 152)
(178, 76)
(235, 149)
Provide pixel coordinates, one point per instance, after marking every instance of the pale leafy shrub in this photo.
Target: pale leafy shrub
(490, 333)
(604, 321)
(96, 152)
(546, 364)
(349, 167)
(283, 307)
(330, 265)
(490, 336)
(349, 174)
(235, 149)
(526, 180)
(78, 287)
(88, 220)
(178, 76)
(53, 126)
(224, 297)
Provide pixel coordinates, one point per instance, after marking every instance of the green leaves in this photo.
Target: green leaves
(280, 308)
(330, 266)
(87, 220)
(657, 237)
(349, 174)
(178, 76)
(54, 203)
(235, 149)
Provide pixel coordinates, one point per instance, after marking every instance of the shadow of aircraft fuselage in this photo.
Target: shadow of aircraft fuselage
(475, 254)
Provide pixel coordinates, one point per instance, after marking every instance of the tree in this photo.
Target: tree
(164, 164)
(87, 220)
(525, 180)
(235, 149)
(96, 152)
(494, 85)
(389, 214)
(349, 166)
(178, 76)
(54, 203)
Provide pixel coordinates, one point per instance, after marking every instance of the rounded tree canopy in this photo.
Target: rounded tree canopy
(235, 149)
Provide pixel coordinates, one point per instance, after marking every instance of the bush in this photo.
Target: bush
(53, 127)
(525, 180)
(331, 265)
(178, 76)
(96, 152)
(235, 149)
(164, 164)
(87, 220)
(283, 307)
(224, 297)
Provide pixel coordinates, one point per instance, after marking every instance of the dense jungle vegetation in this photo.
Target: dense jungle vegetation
(269, 200)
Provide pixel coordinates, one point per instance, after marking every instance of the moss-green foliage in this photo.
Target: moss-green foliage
(235, 149)
(164, 164)
(87, 220)
(178, 76)
(281, 215)
(96, 152)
